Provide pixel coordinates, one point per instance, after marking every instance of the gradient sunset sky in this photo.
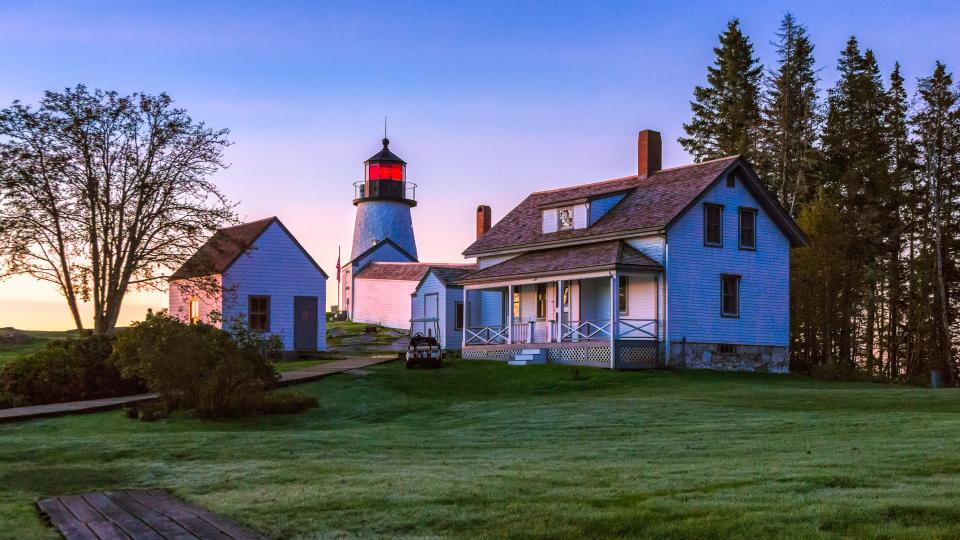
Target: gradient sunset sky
(486, 102)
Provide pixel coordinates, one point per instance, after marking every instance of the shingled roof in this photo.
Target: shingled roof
(651, 203)
(406, 271)
(227, 245)
(584, 257)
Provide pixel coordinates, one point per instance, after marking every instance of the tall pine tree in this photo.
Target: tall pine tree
(902, 165)
(937, 129)
(726, 112)
(855, 174)
(789, 118)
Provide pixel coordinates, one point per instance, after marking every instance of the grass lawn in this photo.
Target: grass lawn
(38, 339)
(293, 365)
(482, 449)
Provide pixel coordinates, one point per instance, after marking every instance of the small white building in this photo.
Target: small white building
(264, 276)
(381, 291)
(438, 296)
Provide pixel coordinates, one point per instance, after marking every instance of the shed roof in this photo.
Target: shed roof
(405, 271)
(218, 253)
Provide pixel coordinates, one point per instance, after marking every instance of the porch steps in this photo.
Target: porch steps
(527, 357)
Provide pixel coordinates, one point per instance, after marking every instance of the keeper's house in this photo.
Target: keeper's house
(686, 267)
(264, 276)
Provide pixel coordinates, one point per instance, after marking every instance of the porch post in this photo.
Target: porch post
(466, 311)
(614, 317)
(559, 315)
(509, 313)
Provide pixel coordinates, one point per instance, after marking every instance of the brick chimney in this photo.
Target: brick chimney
(483, 220)
(649, 150)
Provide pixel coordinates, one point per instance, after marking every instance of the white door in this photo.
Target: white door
(431, 309)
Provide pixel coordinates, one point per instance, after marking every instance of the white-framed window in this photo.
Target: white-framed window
(194, 310)
(565, 218)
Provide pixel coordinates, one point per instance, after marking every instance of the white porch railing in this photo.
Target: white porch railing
(485, 335)
(638, 329)
(628, 329)
(583, 330)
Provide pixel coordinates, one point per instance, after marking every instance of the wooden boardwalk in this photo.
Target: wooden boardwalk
(136, 515)
(320, 371)
(96, 405)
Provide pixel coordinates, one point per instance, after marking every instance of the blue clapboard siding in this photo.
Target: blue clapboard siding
(485, 308)
(602, 205)
(694, 276)
(275, 267)
(450, 337)
(652, 246)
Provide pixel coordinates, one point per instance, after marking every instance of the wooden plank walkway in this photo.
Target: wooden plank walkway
(137, 515)
(82, 407)
(320, 371)
(73, 407)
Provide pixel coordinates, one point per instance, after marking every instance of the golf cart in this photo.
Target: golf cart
(424, 350)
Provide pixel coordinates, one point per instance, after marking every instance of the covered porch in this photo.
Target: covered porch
(574, 313)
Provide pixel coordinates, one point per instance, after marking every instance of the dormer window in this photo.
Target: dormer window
(565, 218)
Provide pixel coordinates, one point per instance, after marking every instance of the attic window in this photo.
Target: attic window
(731, 180)
(565, 218)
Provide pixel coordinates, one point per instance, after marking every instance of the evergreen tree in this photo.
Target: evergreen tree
(726, 112)
(900, 212)
(855, 174)
(937, 129)
(790, 118)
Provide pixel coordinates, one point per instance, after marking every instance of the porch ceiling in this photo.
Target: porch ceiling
(594, 257)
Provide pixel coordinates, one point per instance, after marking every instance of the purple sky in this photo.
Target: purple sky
(486, 102)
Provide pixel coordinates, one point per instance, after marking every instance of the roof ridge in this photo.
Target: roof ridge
(688, 165)
(244, 224)
(633, 176)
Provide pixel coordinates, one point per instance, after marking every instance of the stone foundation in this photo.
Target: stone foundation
(761, 358)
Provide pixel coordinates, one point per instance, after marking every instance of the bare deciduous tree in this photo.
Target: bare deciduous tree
(101, 192)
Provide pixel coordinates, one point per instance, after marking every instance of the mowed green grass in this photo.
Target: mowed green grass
(38, 339)
(480, 449)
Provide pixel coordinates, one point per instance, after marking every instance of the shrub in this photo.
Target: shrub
(286, 403)
(196, 367)
(71, 369)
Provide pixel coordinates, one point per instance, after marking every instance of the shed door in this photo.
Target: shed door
(431, 310)
(305, 323)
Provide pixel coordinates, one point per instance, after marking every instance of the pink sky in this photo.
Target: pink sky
(487, 101)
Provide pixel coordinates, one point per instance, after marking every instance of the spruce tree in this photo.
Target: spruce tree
(937, 129)
(854, 173)
(790, 119)
(726, 112)
(900, 211)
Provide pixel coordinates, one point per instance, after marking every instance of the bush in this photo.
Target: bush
(197, 367)
(286, 403)
(71, 369)
(148, 411)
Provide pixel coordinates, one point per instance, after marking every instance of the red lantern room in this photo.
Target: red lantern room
(385, 165)
(385, 178)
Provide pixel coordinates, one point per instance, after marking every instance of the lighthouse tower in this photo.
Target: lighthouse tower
(383, 200)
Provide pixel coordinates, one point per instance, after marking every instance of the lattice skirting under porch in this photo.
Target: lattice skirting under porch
(631, 355)
(580, 356)
(642, 356)
(502, 355)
